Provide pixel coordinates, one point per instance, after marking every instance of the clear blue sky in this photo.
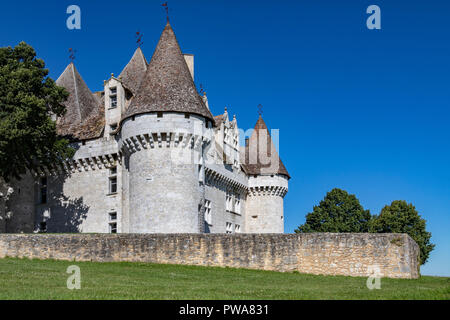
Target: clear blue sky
(364, 110)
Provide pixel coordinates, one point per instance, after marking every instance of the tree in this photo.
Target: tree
(401, 217)
(337, 212)
(28, 138)
(28, 98)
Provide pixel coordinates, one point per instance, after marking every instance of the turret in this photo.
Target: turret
(267, 182)
(163, 134)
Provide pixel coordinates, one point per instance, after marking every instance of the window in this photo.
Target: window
(128, 94)
(113, 222)
(113, 180)
(43, 190)
(201, 170)
(208, 214)
(229, 227)
(113, 127)
(228, 201)
(112, 185)
(113, 101)
(187, 115)
(112, 216)
(113, 97)
(237, 228)
(159, 114)
(225, 134)
(237, 204)
(113, 227)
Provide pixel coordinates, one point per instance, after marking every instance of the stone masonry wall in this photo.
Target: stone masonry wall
(322, 253)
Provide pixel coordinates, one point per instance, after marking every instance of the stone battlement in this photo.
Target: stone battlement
(349, 254)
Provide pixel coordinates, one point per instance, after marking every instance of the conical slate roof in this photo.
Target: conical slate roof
(83, 118)
(167, 84)
(133, 73)
(260, 156)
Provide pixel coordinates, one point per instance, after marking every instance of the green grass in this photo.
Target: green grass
(46, 279)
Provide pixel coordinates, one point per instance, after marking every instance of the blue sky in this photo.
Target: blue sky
(363, 110)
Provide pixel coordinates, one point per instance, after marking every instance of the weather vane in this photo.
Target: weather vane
(260, 112)
(167, 10)
(72, 54)
(139, 39)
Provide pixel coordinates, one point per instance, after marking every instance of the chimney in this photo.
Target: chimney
(189, 58)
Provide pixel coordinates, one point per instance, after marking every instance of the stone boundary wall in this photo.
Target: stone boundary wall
(349, 254)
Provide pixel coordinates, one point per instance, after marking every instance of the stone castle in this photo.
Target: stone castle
(151, 158)
(155, 165)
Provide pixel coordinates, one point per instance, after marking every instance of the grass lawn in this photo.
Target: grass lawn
(46, 279)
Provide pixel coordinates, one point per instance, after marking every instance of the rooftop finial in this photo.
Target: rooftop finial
(202, 91)
(167, 10)
(260, 112)
(139, 41)
(72, 54)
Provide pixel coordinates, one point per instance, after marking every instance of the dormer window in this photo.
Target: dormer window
(128, 94)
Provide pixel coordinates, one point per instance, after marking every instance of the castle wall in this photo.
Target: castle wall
(79, 199)
(221, 179)
(216, 193)
(21, 204)
(357, 254)
(79, 202)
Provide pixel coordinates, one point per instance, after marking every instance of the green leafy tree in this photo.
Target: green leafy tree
(401, 217)
(337, 212)
(28, 98)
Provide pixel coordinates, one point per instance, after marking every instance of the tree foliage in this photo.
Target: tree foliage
(401, 217)
(28, 98)
(337, 212)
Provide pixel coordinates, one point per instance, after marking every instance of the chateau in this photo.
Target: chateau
(152, 158)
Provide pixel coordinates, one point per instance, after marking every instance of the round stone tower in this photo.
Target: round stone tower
(265, 203)
(267, 183)
(163, 135)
